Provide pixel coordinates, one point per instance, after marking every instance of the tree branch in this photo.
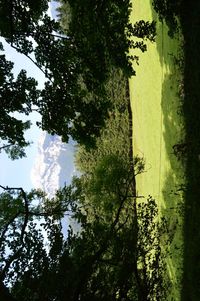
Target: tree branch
(50, 214)
(35, 63)
(5, 146)
(21, 239)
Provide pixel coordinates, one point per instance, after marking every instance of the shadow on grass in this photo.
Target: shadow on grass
(173, 133)
(174, 179)
(174, 182)
(190, 22)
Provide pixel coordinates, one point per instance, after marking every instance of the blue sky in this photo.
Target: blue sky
(17, 173)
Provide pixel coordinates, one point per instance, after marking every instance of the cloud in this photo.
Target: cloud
(49, 11)
(54, 164)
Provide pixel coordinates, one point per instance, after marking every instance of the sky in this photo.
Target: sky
(17, 173)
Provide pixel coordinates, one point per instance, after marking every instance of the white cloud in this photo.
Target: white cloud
(54, 165)
(49, 11)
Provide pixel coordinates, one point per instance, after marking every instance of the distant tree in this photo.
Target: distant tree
(104, 35)
(169, 11)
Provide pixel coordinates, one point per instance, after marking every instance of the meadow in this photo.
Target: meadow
(158, 126)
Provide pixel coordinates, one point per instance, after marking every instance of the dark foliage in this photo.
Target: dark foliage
(102, 32)
(169, 11)
(16, 95)
(110, 259)
(76, 63)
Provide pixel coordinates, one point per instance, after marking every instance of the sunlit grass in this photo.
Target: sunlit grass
(157, 126)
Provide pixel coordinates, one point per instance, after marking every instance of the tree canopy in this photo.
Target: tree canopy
(16, 95)
(75, 59)
(115, 255)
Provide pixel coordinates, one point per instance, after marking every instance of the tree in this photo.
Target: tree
(76, 63)
(31, 32)
(18, 237)
(15, 96)
(169, 11)
(115, 255)
(103, 35)
(14, 151)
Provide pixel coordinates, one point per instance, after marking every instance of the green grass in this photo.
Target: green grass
(157, 126)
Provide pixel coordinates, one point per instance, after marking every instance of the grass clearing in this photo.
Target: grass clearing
(157, 127)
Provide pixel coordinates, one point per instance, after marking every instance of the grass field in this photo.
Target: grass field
(157, 127)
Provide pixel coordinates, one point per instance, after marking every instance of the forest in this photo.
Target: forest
(119, 248)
